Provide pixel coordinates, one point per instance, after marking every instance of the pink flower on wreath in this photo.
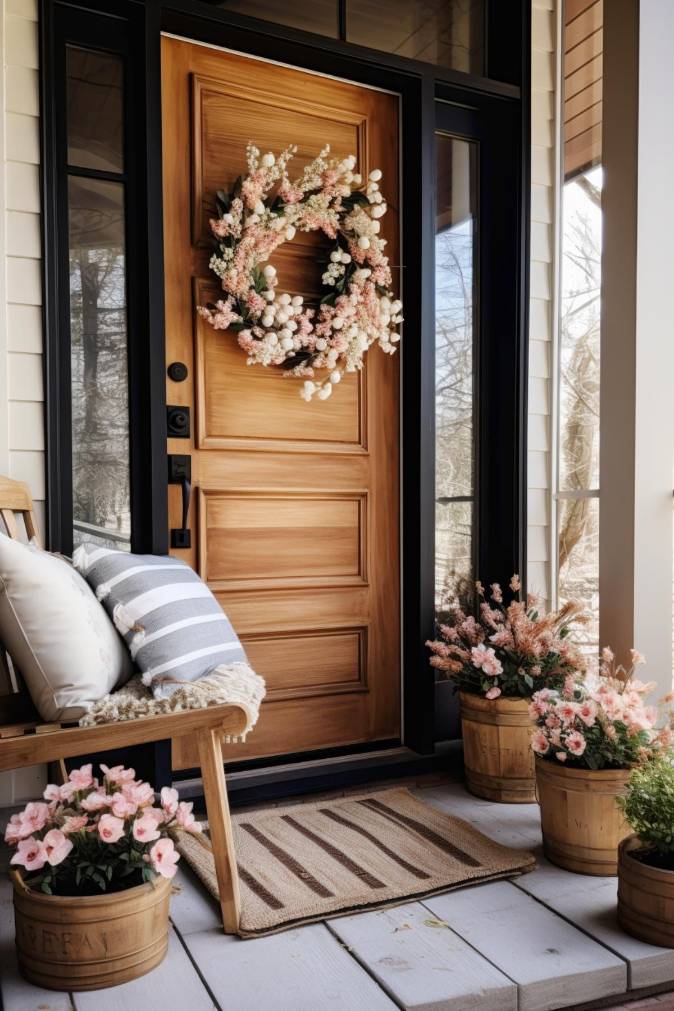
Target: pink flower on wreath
(493, 692)
(57, 846)
(539, 742)
(575, 743)
(485, 659)
(169, 800)
(110, 829)
(82, 778)
(186, 819)
(31, 854)
(164, 858)
(145, 828)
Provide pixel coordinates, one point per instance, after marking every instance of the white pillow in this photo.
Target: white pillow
(57, 633)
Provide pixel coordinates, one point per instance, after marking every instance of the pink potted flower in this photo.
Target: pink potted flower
(588, 735)
(497, 655)
(94, 860)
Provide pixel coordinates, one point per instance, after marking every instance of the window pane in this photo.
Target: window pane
(447, 32)
(95, 107)
(579, 333)
(454, 359)
(98, 327)
(319, 16)
(579, 561)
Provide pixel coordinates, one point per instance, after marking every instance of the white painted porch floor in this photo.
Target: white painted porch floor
(546, 940)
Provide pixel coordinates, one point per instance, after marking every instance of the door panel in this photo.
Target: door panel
(295, 525)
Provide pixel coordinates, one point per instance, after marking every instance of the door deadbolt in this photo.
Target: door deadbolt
(177, 422)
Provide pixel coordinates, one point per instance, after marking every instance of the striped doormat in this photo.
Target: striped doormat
(331, 857)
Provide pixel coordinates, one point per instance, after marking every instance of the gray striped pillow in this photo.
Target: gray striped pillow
(174, 627)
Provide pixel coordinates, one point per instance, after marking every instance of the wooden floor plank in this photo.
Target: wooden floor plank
(192, 907)
(173, 984)
(591, 904)
(422, 966)
(553, 964)
(17, 994)
(298, 970)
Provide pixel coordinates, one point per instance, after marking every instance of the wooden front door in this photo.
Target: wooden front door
(295, 518)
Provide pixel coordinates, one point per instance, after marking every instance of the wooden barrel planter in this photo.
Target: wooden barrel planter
(581, 821)
(497, 755)
(90, 942)
(645, 897)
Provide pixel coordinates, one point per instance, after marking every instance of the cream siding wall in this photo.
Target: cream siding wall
(544, 152)
(21, 383)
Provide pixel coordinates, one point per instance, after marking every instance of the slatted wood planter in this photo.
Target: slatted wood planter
(90, 942)
(498, 760)
(581, 821)
(645, 897)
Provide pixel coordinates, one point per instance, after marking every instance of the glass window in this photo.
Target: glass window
(455, 300)
(98, 334)
(319, 16)
(98, 303)
(95, 114)
(450, 34)
(577, 492)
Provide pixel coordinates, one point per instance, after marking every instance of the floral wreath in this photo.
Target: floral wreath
(264, 210)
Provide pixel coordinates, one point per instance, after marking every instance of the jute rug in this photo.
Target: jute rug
(327, 858)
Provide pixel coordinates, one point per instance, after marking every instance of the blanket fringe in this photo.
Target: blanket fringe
(229, 684)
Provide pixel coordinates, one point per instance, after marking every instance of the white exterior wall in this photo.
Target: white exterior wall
(21, 383)
(544, 174)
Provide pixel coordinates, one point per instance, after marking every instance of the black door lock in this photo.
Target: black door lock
(177, 422)
(180, 472)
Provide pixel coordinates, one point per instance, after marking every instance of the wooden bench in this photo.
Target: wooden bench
(25, 740)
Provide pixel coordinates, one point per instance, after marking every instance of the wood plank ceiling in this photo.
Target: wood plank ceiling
(583, 45)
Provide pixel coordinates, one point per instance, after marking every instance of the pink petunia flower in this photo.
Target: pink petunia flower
(561, 756)
(82, 778)
(493, 692)
(95, 801)
(169, 800)
(52, 792)
(35, 816)
(164, 858)
(31, 854)
(57, 846)
(576, 743)
(74, 823)
(185, 818)
(145, 828)
(118, 774)
(539, 742)
(110, 829)
(121, 806)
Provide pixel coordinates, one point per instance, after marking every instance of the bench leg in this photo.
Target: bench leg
(220, 827)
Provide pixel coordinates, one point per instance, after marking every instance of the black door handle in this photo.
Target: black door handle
(180, 472)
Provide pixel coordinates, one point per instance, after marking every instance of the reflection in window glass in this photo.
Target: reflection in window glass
(95, 110)
(449, 33)
(578, 480)
(98, 328)
(319, 16)
(455, 281)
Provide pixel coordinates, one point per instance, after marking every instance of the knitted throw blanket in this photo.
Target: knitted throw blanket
(233, 684)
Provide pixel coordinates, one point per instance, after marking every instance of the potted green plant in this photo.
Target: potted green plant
(589, 735)
(646, 859)
(497, 656)
(91, 876)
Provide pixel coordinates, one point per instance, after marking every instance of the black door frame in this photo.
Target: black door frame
(502, 107)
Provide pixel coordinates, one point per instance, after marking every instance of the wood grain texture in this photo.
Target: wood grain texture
(498, 759)
(645, 897)
(295, 526)
(423, 966)
(90, 942)
(222, 841)
(298, 970)
(582, 823)
(553, 964)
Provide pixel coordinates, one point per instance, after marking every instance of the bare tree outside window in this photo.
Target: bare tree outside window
(578, 477)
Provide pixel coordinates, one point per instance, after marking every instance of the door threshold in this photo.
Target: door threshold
(292, 779)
